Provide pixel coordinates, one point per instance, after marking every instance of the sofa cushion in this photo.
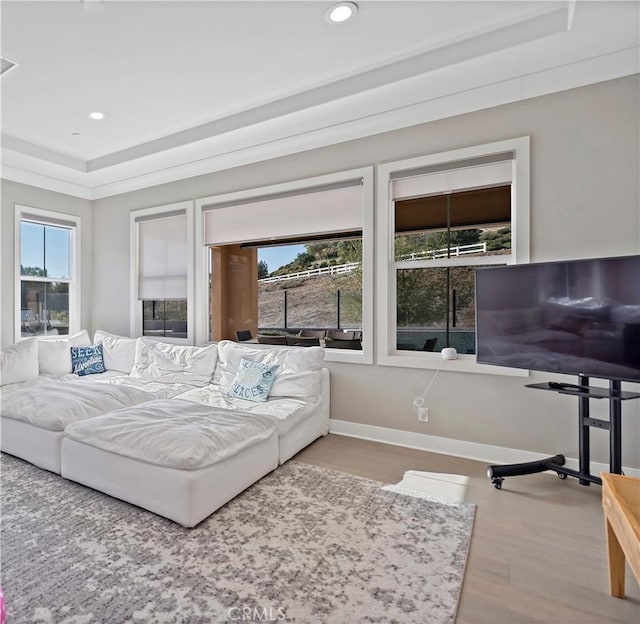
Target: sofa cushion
(119, 352)
(253, 381)
(171, 363)
(299, 375)
(54, 354)
(19, 362)
(87, 360)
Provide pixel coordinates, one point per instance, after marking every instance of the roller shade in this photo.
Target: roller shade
(408, 185)
(487, 206)
(468, 193)
(25, 216)
(162, 257)
(313, 212)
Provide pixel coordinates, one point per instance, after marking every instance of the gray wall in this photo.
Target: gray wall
(13, 193)
(584, 202)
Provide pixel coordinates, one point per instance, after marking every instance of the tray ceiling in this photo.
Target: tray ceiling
(191, 87)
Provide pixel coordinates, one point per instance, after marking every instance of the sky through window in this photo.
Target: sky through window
(45, 248)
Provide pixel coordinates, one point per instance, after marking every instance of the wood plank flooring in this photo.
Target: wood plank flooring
(538, 552)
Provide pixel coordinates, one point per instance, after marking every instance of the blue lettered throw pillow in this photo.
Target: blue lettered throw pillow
(87, 360)
(253, 381)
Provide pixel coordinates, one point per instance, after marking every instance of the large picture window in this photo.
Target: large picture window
(48, 273)
(288, 264)
(317, 292)
(443, 217)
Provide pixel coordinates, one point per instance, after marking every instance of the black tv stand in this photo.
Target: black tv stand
(584, 392)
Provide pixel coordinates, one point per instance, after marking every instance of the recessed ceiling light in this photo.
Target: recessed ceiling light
(341, 12)
(96, 115)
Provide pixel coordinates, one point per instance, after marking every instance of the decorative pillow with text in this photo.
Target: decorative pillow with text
(87, 360)
(253, 381)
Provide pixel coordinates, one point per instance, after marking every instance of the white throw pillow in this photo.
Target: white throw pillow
(118, 352)
(54, 354)
(299, 372)
(171, 363)
(19, 362)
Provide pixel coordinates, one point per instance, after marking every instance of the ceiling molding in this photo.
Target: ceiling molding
(31, 178)
(38, 151)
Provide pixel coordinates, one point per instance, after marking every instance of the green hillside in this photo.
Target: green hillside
(426, 297)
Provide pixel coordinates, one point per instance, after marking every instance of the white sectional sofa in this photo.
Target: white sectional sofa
(161, 427)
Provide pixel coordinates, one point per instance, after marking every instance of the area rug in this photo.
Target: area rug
(304, 544)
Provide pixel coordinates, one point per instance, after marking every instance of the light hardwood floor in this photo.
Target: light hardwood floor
(538, 550)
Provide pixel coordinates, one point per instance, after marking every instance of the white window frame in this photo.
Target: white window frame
(135, 315)
(386, 266)
(207, 203)
(49, 217)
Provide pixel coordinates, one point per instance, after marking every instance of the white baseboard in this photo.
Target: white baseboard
(459, 448)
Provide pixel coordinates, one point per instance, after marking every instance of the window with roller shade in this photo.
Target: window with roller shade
(162, 242)
(318, 225)
(443, 220)
(446, 224)
(48, 283)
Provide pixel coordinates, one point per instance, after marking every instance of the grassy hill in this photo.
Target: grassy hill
(311, 302)
(423, 300)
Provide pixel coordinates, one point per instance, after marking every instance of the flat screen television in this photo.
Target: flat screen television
(578, 317)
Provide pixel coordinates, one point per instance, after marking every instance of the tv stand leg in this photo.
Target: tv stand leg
(583, 431)
(497, 474)
(615, 432)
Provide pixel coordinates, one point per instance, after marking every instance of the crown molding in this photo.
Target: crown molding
(46, 182)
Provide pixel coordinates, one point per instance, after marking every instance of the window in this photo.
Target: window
(290, 264)
(48, 279)
(161, 275)
(313, 289)
(166, 318)
(441, 217)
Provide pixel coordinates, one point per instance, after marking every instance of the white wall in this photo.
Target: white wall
(584, 202)
(13, 193)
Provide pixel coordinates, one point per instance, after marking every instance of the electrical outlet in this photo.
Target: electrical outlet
(423, 414)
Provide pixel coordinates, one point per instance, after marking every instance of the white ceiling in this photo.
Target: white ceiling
(192, 87)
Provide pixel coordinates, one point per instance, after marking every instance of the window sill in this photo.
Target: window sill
(348, 356)
(434, 361)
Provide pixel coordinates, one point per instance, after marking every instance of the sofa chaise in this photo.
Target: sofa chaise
(164, 426)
